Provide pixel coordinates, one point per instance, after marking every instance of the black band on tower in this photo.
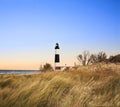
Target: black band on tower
(57, 59)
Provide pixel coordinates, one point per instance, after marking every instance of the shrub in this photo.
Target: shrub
(46, 67)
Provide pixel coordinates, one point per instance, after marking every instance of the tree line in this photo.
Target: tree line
(86, 58)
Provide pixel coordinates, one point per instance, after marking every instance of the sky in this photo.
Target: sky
(29, 30)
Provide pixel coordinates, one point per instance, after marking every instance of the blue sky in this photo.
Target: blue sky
(29, 30)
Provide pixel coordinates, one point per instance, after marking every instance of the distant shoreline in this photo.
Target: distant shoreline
(19, 71)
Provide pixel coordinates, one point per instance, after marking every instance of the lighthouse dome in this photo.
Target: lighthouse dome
(57, 46)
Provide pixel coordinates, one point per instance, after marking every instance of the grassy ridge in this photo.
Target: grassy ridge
(90, 86)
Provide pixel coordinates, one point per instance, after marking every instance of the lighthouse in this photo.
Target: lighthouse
(57, 57)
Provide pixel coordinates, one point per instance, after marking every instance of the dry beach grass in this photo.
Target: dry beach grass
(91, 86)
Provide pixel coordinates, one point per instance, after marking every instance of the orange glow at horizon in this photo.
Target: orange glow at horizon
(33, 60)
(33, 66)
(20, 67)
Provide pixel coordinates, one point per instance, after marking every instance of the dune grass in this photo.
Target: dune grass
(91, 86)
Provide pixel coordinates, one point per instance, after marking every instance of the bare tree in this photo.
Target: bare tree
(84, 58)
(93, 58)
(101, 57)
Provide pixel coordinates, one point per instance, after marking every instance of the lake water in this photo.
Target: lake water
(19, 71)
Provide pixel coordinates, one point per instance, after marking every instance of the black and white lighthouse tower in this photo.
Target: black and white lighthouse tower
(57, 57)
